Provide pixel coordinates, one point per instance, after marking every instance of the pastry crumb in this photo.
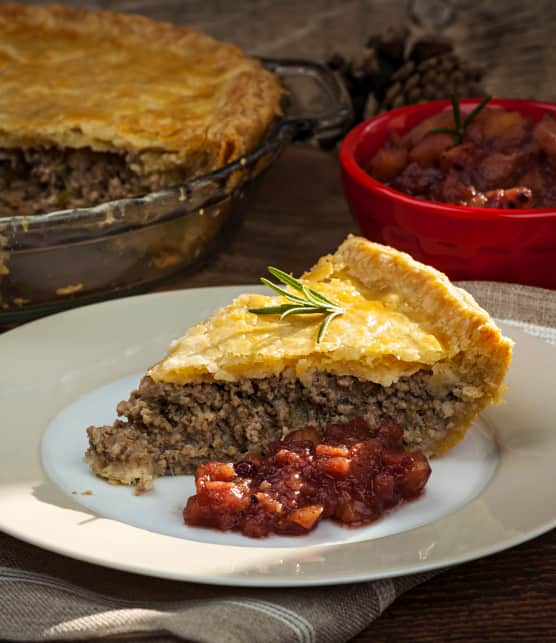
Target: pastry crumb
(69, 290)
(167, 259)
(87, 492)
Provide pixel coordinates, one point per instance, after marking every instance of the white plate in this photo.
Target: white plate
(62, 373)
(456, 479)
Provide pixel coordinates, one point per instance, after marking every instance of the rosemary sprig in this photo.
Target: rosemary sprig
(459, 130)
(309, 302)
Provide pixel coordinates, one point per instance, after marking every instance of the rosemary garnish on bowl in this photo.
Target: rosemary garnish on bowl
(460, 125)
(310, 302)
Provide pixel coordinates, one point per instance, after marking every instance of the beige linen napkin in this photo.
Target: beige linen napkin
(44, 596)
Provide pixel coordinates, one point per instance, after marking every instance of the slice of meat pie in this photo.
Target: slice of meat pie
(402, 344)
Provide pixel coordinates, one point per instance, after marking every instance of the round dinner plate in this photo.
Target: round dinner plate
(65, 372)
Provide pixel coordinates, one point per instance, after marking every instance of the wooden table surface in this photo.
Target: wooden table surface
(293, 216)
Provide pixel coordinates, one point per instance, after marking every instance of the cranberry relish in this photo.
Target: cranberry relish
(351, 473)
(504, 160)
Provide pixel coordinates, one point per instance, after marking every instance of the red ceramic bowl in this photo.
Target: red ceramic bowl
(466, 243)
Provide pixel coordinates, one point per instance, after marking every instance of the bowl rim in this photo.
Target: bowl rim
(352, 167)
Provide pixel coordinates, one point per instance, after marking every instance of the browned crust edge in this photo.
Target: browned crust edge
(253, 95)
(480, 354)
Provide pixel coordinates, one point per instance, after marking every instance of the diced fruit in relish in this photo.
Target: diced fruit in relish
(456, 157)
(500, 124)
(388, 163)
(430, 148)
(351, 473)
(498, 167)
(442, 119)
(308, 434)
(545, 135)
(501, 159)
(306, 516)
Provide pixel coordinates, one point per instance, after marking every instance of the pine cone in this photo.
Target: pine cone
(435, 78)
(392, 73)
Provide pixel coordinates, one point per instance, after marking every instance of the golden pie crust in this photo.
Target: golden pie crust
(401, 317)
(167, 96)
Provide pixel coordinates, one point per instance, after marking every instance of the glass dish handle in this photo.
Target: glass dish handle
(317, 105)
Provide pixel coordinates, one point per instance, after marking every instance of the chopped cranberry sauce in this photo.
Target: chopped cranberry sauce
(351, 474)
(505, 160)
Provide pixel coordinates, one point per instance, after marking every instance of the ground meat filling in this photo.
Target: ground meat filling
(174, 427)
(40, 180)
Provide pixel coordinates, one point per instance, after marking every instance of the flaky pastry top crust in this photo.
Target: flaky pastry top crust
(167, 95)
(400, 317)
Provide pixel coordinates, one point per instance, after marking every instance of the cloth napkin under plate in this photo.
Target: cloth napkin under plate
(45, 596)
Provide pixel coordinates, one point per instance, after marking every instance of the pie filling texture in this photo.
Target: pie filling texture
(135, 104)
(410, 348)
(33, 181)
(171, 428)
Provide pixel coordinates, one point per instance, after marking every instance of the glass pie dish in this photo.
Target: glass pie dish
(61, 259)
